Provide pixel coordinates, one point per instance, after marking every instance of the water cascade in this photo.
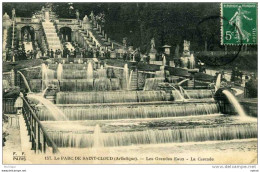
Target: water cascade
(199, 94)
(102, 83)
(84, 118)
(59, 71)
(155, 136)
(109, 97)
(132, 111)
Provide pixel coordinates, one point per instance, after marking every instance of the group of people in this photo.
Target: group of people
(53, 54)
(236, 75)
(22, 54)
(87, 52)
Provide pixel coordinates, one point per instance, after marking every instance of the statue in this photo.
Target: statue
(13, 14)
(48, 5)
(186, 48)
(152, 44)
(77, 15)
(85, 19)
(92, 15)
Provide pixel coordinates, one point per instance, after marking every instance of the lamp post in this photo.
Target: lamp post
(13, 58)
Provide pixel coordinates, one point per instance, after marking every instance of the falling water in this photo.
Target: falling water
(156, 111)
(97, 137)
(90, 71)
(218, 81)
(56, 113)
(152, 83)
(44, 91)
(25, 81)
(109, 97)
(177, 95)
(232, 99)
(199, 94)
(155, 136)
(59, 71)
(184, 92)
(183, 81)
(102, 83)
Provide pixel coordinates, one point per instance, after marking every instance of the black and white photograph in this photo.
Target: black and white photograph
(130, 83)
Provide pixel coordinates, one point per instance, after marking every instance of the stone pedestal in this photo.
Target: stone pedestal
(152, 56)
(172, 64)
(12, 78)
(184, 62)
(112, 54)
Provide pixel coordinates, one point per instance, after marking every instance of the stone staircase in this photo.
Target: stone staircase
(134, 80)
(52, 39)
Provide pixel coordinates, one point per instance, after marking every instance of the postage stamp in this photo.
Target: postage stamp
(238, 23)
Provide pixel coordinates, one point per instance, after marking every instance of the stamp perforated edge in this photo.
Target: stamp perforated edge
(221, 27)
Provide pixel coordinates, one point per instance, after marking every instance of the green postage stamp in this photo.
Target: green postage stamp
(238, 23)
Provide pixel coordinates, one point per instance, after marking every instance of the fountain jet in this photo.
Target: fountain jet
(89, 71)
(59, 71)
(218, 81)
(97, 137)
(25, 81)
(126, 77)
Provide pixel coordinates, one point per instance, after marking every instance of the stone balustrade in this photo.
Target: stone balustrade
(70, 21)
(27, 20)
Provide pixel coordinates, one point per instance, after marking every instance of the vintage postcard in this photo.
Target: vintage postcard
(129, 83)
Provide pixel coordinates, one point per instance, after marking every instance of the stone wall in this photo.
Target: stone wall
(7, 79)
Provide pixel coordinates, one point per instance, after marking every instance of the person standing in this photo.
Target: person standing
(56, 53)
(48, 53)
(52, 53)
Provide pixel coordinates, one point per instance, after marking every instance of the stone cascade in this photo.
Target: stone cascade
(52, 38)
